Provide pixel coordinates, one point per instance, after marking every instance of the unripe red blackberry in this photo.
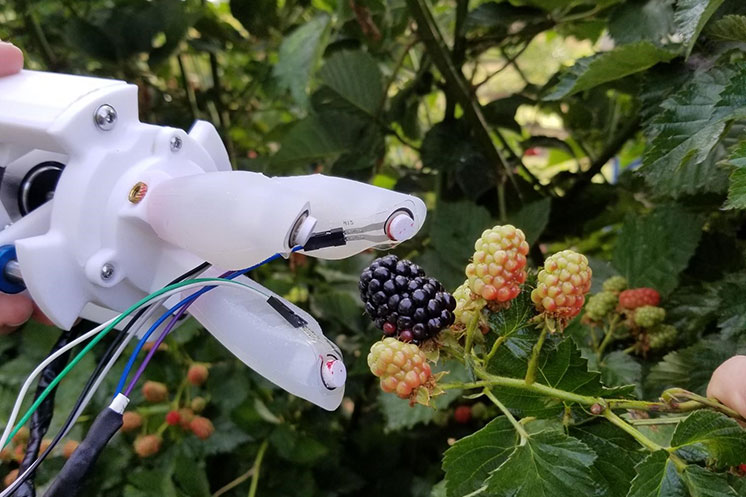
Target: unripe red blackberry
(498, 267)
(45, 443)
(648, 316)
(600, 305)
(201, 427)
(197, 374)
(19, 452)
(462, 414)
(403, 302)
(402, 367)
(562, 285)
(615, 284)
(638, 297)
(6, 454)
(147, 445)
(186, 415)
(173, 418)
(467, 304)
(154, 391)
(69, 448)
(131, 421)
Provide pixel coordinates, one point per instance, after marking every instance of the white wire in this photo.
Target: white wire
(27, 384)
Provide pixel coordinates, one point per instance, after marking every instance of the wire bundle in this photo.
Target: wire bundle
(142, 310)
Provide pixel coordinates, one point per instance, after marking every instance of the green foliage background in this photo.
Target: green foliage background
(613, 127)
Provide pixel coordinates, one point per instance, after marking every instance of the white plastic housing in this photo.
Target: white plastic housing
(292, 358)
(217, 216)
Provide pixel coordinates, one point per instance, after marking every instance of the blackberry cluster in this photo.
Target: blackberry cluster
(403, 302)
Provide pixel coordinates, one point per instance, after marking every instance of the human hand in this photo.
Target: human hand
(14, 309)
(728, 384)
(11, 59)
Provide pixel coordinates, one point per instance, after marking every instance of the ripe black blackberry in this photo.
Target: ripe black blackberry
(403, 302)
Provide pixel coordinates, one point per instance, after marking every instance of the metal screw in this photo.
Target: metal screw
(137, 193)
(175, 143)
(107, 271)
(105, 117)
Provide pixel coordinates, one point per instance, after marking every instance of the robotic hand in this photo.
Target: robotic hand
(100, 210)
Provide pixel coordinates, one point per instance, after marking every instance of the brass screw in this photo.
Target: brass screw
(137, 193)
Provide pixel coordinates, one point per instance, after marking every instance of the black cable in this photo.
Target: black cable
(42, 417)
(89, 384)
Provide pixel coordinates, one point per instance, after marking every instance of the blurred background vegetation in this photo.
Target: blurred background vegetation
(467, 104)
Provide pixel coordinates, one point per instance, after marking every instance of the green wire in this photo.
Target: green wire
(97, 339)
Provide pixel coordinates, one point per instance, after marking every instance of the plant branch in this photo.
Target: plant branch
(500, 340)
(470, 334)
(674, 394)
(533, 363)
(608, 338)
(257, 467)
(233, 484)
(459, 50)
(657, 421)
(632, 431)
(518, 426)
(508, 62)
(457, 86)
(610, 151)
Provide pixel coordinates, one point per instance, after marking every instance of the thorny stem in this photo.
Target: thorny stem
(674, 394)
(518, 426)
(533, 363)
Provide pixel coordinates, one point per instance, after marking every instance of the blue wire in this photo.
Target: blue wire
(168, 313)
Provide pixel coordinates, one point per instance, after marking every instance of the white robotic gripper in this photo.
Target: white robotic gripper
(103, 209)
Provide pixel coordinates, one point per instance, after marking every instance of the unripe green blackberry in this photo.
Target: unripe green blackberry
(498, 266)
(562, 285)
(402, 367)
(615, 284)
(648, 316)
(600, 305)
(467, 304)
(662, 336)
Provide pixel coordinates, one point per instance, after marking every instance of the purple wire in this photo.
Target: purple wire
(159, 341)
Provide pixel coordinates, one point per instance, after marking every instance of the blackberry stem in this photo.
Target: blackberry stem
(500, 340)
(609, 337)
(533, 363)
(632, 431)
(470, 334)
(518, 426)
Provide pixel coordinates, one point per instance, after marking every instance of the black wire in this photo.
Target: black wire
(89, 384)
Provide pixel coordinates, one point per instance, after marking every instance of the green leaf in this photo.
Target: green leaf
(657, 477)
(501, 112)
(691, 368)
(710, 435)
(550, 463)
(318, 138)
(729, 28)
(640, 20)
(355, 78)
(690, 17)
(737, 185)
(704, 483)
(691, 308)
(653, 250)
(619, 369)
(692, 121)
(532, 218)
(299, 54)
(454, 229)
(449, 146)
(515, 317)
(617, 455)
(732, 310)
(600, 68)
(469, 462)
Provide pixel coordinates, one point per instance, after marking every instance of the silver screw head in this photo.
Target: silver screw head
(175, 143)
(105, 117)
(107, 271)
